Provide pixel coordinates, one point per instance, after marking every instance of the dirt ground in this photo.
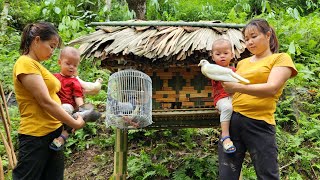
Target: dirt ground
(91, 164)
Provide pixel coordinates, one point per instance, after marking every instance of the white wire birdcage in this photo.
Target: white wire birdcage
(129, 102)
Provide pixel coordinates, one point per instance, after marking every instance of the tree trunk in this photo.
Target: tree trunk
(108, 4)
(4, 16)
(139, 7)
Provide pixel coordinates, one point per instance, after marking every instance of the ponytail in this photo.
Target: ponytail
(274, 44)
(44, 30)
(26, 39)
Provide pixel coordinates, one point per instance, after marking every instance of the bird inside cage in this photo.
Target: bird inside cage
(129, 109)
(129, 99)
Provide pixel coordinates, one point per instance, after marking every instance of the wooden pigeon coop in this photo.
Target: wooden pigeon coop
(169, 52)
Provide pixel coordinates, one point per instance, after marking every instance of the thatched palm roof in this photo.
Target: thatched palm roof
(155, 45)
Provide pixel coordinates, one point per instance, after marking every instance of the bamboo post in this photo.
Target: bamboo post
(120, 154)
(5, 105)
(1, 169)
(8, 150)
(6, 123)
(167, 23)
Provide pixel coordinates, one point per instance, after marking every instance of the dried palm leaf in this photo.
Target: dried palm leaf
(162, 43)
(110, 29)
(211, 37)
(121, 40)
(140, 39)
(107, 37)
(161, 28)
(236, 37)
(175, 40)
(165, 31)
(89, 38)
(169, 42)
(192, 40)
(190, 29)
(142, 28)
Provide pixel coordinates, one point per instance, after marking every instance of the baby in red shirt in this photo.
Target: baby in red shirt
(71, 93)
(222, 55)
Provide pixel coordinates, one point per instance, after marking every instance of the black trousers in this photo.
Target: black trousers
(36, 161)
(256, 136)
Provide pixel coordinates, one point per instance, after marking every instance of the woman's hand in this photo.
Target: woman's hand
(230, 87)
(80, 122)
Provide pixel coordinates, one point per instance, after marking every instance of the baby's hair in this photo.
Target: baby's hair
(69, 49)
(44, 30)
(263, 26)
(221, 40)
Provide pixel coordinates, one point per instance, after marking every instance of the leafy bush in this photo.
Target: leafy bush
(187, 153)
(188, 10)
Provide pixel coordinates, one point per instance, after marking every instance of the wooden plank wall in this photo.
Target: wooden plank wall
(180, 88)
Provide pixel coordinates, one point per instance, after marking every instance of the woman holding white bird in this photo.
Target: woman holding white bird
(252, 125)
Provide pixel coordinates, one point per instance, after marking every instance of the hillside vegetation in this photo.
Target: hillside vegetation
(185, 153)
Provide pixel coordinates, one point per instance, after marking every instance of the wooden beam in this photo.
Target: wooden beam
(166, 23)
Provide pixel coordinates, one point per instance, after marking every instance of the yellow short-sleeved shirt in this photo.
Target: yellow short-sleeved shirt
(258, 72)
(34, 120)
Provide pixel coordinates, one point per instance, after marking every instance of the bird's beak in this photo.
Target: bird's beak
(199, 64)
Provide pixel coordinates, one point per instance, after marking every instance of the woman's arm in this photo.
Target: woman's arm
(37, 87)
(277, 77)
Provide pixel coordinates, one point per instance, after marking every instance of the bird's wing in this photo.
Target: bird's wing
(217, 73)
(223, 77)
(90, 88)
(94, 88)
(240, 78)
(220, 73)
(216, 69)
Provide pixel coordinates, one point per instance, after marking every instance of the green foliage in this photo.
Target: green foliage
(23, 12)
(173, 149)
(142, 167)
(186, 153)
(55, 10)
(119, 12)
(239, 12)
(304, 7)
(9, 45)
(188, 10)
(248, 172)
(197, 168)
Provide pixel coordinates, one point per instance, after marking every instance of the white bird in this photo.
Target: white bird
(91, 88)
(219, 73)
